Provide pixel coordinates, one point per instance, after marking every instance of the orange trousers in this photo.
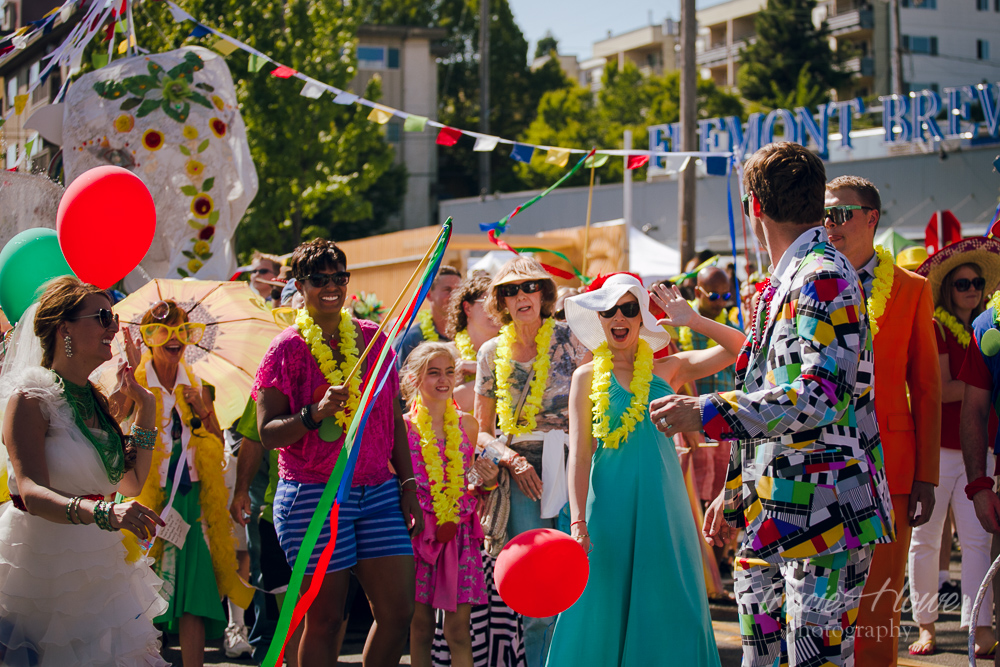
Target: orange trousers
(877, 634)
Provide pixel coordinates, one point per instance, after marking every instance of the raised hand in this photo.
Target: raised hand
(677, 311)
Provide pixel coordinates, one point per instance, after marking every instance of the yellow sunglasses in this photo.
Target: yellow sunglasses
(156, 335)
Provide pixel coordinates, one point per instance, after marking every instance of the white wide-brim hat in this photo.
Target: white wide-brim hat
(583, 312)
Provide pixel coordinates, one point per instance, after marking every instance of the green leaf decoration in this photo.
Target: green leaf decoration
(131, 103)
(202, 146)
(207, 185)
(205, 87)
(147, 107)
(207, 255)
(195, 61)
(200, 99)
(188, 254)
(185, 150)
(141, 84)
(189, 190)
(178, 114)
(213, 217)
(109, 89)
(194, 223)
(155, 69)
(182, 273)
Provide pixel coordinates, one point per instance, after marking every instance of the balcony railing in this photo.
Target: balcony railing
(863, 65)
(720, 53)
(852, 21)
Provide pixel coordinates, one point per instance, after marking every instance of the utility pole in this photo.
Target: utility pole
(896, 45)
(484, 92)
(689, 110)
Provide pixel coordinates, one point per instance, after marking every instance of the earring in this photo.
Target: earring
(68, 343)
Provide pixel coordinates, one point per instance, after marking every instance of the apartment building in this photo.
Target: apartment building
(405, 60)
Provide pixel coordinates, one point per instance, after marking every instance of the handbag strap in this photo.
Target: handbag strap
(520, 402)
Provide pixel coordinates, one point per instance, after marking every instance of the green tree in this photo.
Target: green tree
(319, 165)
(575, 118)
(546, 45)
(791, 61)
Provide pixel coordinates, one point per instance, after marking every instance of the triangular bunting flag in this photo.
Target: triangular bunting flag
(596, 160)
(200, 31)
(178, 14)
(123, 47)
(120, 28)
(345, 97)
(522, 152)
(224, 46)
(27, 147)
(256, 62)
(283, 72)
(557, 156)
(485, 143)
(98, 60)
(715, 165)
(21, 101)
(414, 123)
(448, 136)
(312, 90)
(636, 161)
(380, 115)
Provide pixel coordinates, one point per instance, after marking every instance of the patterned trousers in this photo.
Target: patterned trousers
(801, 613)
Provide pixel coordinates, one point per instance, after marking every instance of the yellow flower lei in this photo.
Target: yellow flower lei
(464, 342)
(213, 495)
(881, 287)
(427, 326)
(504, 368)
(684, 339)
(951, 323)
(994, 303)
(642, 376)
(313, 335)
(445, 494)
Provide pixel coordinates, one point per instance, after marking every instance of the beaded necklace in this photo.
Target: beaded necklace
(81, 400)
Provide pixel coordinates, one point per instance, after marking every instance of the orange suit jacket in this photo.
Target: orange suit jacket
(906, 356)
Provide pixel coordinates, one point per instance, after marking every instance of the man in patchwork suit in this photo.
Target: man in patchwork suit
(806, 475)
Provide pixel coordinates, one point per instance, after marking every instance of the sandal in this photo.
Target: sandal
(990, 653)
(923, 648)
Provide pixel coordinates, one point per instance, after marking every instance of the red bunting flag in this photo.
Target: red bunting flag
(636, 161)
(448, 136)
(283, 72)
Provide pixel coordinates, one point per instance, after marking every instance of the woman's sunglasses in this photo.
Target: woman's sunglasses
(963, 284)
(841, 214)
(508, 290)
(104, 316)
(157, 335)
(320, 280)
(629, 310)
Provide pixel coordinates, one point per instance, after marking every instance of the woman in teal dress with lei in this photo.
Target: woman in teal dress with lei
(645, 602)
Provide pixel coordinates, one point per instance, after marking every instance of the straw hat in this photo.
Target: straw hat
(525, 270)
(979, 250)
(911, 258)
(582, 312)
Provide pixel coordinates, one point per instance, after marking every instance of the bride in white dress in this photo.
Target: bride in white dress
(67, 594)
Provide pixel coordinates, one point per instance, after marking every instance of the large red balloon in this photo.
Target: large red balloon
(105, 224)
(541, 572)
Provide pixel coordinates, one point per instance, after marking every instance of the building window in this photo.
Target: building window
(922, 4)
(983, 5)
(371, 57)
(921, 45)
(11, 155)
(982, 49)
(394, 57)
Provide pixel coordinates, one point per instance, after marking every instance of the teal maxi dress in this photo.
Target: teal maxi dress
(645, 602)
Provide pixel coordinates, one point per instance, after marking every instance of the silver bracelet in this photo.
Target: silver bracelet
(412, 479)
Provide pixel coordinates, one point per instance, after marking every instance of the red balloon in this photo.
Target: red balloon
(541, 572)
(105, 224)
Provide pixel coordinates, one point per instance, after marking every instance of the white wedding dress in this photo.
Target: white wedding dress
(67, 595)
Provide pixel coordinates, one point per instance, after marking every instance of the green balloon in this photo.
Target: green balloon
(330, 430)
(27, 262)
(990, 344)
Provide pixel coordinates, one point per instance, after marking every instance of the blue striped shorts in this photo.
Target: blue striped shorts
(370, 525)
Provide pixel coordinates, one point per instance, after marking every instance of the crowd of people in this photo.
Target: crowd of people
(829, 418)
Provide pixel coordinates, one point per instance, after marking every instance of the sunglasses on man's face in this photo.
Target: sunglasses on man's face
(745, 199)
(842, 213)
(715, 296)
(320, 280)
(511, 289)
(963, 284)
(629, 310)
(104, 316)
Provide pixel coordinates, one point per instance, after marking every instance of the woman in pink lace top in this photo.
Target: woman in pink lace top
(373, 531)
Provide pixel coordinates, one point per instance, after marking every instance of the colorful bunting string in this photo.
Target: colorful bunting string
(339, 484)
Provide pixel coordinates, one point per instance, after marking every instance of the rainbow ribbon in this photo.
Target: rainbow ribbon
(338, 486)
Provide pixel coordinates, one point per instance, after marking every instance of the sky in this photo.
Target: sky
(577, 24)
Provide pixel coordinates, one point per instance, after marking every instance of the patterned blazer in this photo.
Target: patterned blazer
(806, 475)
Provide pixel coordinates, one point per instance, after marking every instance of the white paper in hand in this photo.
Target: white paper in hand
(176, 529)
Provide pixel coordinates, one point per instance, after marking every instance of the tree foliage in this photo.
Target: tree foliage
(546, 45)
(320, 165)
(573, 118)
(791, 63)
